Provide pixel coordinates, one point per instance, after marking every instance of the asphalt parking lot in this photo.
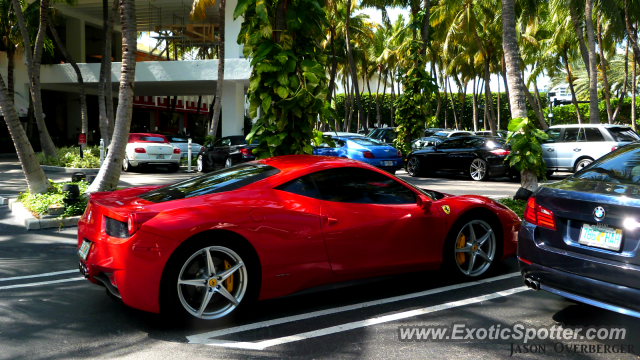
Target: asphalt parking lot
(47, 311)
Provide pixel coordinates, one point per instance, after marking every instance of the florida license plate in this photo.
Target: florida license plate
(84, 249)
(387, 163)
(601, 236)
(160, 157)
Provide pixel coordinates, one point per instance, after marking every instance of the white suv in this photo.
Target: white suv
(572, 147)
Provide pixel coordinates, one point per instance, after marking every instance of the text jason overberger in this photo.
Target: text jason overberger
(571, 348)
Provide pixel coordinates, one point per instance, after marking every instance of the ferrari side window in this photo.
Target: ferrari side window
(302, 186)
(361, 186)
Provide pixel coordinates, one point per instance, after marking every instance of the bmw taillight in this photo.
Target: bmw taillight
(140, 150)
(538, 215)
(245, 152)
(368, 154)
(176, 151)
(500, 152)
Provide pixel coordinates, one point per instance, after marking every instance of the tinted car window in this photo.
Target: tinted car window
(462, 134)
(152, 138)
(593, 134)
(623, 134)
(622, 166)
(218, 181)
(367, 142)
(178, 139)
(571, 134)
(553, 134)
(224, 142)
(472, 143)
(451, 144)
(361, 186)
(302, 186)
(442, 133)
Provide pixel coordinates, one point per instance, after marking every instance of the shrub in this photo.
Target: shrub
(38, 204)
(516, 205)
(70, 157)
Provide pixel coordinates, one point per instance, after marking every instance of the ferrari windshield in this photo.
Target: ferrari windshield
(215, 182)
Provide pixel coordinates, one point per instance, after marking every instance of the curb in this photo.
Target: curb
(4, 201)
(31, 223)
(93, 171)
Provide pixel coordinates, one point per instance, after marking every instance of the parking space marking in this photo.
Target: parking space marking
(206, 338)
(40, 283)
(261, 345)
(40, 275)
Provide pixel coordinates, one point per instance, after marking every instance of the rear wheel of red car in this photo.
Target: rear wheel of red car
(209, 280)
(471, 247)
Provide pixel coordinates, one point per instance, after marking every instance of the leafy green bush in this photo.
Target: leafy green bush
(516, 205)
(70, 157)
(526, 152)
(39, 203)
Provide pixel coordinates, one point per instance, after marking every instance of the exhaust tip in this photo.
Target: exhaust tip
(532, 284)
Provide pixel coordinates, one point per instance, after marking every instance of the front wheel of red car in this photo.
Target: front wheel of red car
(210, 280)
(471, 248)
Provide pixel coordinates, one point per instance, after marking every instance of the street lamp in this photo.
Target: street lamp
(551, 117)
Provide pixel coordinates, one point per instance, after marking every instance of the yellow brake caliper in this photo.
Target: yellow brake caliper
(460, 243)
(228, 283)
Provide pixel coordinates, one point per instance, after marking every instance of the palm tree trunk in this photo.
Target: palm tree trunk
(102, 105)
(605, 81)
(424, 32)
(624, 84)
(393, 100)
(384, 93)
(529, 180)
(366, 128)
(578, 30)
(378, 120)
(453, 106)
(633, 95)
(487, 76)
(565, 58)
(334, 66)
(594, 117)
(506, 85)
(36, 179)
(462, 106)
(352, 64)
(48, 147)
(444, 84)
(534, 106)
(69, 59)
(220, 82)
(352, 105)
(474, 104)
(630, 32)
(109, 174)
(10, 67)
(107, 80)
(537, 93)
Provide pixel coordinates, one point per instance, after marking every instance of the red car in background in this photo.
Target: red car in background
(273, 227)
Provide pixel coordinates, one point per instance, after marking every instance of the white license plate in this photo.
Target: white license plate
(160, 157)
(387, 163)
(601, 236)
(84, 249)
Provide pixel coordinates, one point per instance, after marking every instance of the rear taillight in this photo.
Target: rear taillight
(399, 153)
(116, 228)
(201, 148)
(176, 151)
(135, 221)
(614, 148)
(368, 154)
(539, 215)
(500, 152)
(140, 150)
(245, 152)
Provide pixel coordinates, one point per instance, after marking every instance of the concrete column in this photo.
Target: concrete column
(76, 39)
(232, 108)
(232, 50)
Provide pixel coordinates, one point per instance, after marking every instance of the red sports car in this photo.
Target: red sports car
(273, 227)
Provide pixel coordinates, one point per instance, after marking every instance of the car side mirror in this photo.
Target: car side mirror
(424, 202)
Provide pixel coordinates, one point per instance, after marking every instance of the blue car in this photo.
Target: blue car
(580, 237)
(364, 149)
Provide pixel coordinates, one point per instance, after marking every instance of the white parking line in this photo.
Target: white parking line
(206, 338)
(40, 283)
(261, 345)
(40, 275)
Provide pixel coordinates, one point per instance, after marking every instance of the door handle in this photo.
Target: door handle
(576, 149)
(329, 221)
(550, 149)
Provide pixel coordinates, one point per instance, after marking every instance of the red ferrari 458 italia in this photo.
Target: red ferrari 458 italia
(273, 227)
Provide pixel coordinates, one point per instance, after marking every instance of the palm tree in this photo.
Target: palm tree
(109, 174)
(105, 97)
(33, 69)
(594, 117)
(198, 13)
(352, 64)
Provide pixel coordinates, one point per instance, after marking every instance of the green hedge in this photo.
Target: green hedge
(369, 105)
(566, 114)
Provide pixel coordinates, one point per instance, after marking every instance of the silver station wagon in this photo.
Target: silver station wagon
(572, 147)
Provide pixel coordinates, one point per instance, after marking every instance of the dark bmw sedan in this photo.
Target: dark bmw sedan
(478, 157)
(580, 237)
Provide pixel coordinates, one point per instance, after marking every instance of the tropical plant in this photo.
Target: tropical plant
(526, 152)
(289, 81)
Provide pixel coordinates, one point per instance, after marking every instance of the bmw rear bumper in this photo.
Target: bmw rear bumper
(575, 285)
